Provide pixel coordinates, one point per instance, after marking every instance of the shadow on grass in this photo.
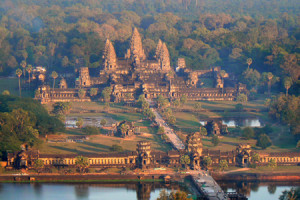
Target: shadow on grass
(230, 143)
(69, 150)
(73, 132)
(94, 149)
(101, 146)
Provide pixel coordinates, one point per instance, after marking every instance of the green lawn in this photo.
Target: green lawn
(264, 169)
(12, 85)
(102, 143)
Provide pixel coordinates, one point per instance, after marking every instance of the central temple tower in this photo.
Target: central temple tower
(136, 51)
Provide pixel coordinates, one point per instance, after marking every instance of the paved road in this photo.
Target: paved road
(208, 186)
(177, 143)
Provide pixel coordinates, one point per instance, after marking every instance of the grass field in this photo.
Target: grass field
(102, 143)
(12, 85)
(186, 122)
(266, 169)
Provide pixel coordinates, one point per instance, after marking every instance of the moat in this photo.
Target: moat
(128, 191)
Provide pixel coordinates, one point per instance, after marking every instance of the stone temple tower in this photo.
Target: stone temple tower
(162, 56)
(194, 148)
(109, 57)
(144, 151)
(84, 78)
(136, 51)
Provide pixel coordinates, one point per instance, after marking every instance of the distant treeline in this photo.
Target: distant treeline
(63, 35)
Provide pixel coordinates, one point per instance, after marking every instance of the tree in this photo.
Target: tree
(287, 84)
(93, 92)
(164, 137)
(23, 65)
(116, 147)
(38, 164)
(298, 144)
(82, 163)
(270, 77)
(215, 140)
(19, 74)
(263, 141)
(203, 131)
(5, 92)
(79, 122)
(61, 108)
(239, 107)
(222, 74)
(207, 162)
(223, 164)
(91, 130)
(183, 99)
(249, 62)
(161, 130)
(255, 158)
(81, 93)
(242, 98)
(29, 69)
(185, 160)
(106, 92)
(178, 195)
(123, 128)
(176, 103)
(292, 194)
(162, 102)
(172, 120)
(65, 61)
(103, 122)
(197, 106)
(272, 163)
(54, 75)
(248, 133)
(251, 77)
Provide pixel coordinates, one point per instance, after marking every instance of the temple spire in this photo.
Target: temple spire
(136, 51)
(158, 49)
(109, 56)
(163, 56)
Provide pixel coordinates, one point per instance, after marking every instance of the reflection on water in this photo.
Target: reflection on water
(70, 122)
(130, 191)
(243, 123)
(50, 191)
(258, 190)
(238, 122)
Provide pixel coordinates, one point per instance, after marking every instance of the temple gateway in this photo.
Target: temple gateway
(134, 74)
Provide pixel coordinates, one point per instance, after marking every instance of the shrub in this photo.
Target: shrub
(91, 130)
(263, 141)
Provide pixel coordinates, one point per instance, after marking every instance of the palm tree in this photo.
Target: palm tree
(287, 84)
(19, 74)
(23, 65)
(54, 76)
(270, 77)
(249, 62)
(29, 69)
(222, 74)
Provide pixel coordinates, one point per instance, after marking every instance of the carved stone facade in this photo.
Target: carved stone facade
(145, 157)
(136, 75)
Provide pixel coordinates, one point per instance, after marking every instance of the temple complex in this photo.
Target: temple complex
(144, 157)
(134, 74)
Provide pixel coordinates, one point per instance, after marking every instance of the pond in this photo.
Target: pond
(258, 190)
(242, 122)
(129, 191)
(81, 191)
(70, 122)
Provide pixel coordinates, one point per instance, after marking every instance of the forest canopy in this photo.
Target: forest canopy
(66, 34)
(23, 121)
